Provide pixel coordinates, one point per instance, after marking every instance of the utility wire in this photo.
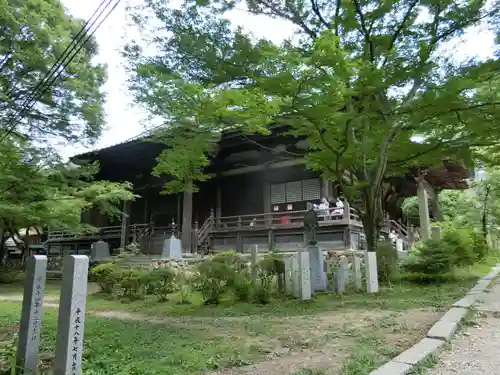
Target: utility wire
(54, 67)
(68, 55)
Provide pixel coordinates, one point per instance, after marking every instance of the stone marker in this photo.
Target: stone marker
(31, 314)
(371, 272)
(318, 275)
(356, 269)
(288, 275)
(99, 251)
(172, 248)
(295, 276)
(71, 320)
(436, 233)
(304, 273)
(342, 275)
(399, 245)
(423, 212)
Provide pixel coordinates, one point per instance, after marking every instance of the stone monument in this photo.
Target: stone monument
(310, 225)
(31, 314)
(99, 251)
(172, 248)
(71, 320)
(316, 258)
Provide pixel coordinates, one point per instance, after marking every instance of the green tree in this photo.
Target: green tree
(454, 204)
(33, 35)
(361, 82)
(41, 191)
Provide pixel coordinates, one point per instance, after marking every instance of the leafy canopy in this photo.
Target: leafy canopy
(362, 81)
(33, 35)
(37, 190)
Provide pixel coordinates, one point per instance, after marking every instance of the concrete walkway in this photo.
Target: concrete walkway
(476, 351)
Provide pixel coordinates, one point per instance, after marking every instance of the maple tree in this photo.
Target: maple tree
(371, 85)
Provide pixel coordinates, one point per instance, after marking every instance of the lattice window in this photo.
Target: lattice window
(278, 193)
(293, 191)
(311, 189)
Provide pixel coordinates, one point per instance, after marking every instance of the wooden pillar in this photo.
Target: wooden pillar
(218, 203)
(187, 218)
(125, 224)
(326, 189)
(146, 216)
(423, 211)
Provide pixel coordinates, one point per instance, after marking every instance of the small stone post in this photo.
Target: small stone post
(371, 272)
(436, 233)
(356, 269)
(423, 211)
(288, 275)
(342, 275)
(304, 279)
(31, 315)
(71, 320)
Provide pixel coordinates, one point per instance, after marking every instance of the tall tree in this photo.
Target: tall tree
(41, 191)
(370, 83)
(33, 35)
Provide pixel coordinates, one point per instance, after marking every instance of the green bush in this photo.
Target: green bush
(134, 283)
(433, 257)
(107, 276)
(213, 280)
(481, 248)
(160, 282)
(459, 242)
(242, 287)
(387, 262)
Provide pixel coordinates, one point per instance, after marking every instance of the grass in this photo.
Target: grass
(359, 331)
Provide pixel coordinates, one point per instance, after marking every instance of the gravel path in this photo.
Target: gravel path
(477, 351)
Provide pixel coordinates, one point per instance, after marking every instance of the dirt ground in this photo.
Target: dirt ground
(325, 341)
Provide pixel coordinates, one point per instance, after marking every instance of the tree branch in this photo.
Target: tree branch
(365, 32)
(316, 11)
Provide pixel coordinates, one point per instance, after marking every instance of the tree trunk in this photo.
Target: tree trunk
(372, 219)
(484, 218)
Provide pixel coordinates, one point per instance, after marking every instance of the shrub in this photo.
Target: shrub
(107, 276)
(454, 249)
(387, 262)
(242, 287)
(160, 282)
(134, 283)
(213, 280)
(481, 248)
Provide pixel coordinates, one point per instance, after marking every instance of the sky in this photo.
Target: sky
(125, 121)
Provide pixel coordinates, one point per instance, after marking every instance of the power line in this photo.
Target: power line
(58, 67)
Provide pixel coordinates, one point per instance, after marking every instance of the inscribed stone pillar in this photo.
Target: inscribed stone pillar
(125, 224)
(371, 272)
(304, 279)
(423, 211)
(342, 275)
(187, 218)
(318, 275)
(31, 314)
(356, 269)
(288, 260)
(71, 320)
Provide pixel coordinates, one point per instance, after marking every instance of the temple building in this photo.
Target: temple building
(258, 194)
